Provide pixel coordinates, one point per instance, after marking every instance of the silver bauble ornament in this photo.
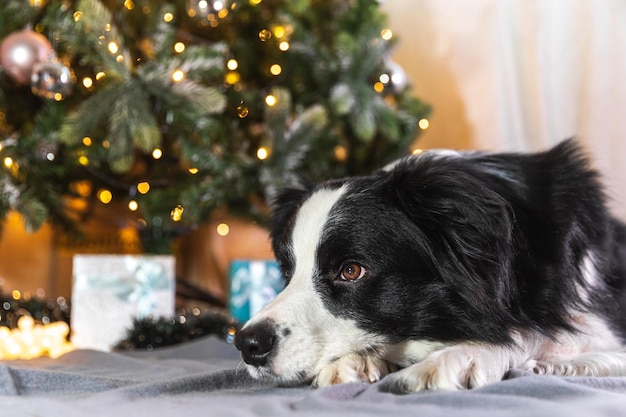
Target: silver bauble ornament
(47, 151)
(398, 79)
(20, 51)
(51, 79)
(203, 8)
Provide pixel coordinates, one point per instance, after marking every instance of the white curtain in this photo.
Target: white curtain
(521, 75)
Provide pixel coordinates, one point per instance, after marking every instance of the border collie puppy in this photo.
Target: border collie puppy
(449, 268)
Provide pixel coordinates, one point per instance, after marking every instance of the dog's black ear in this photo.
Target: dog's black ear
(463, 216)
(284, 207)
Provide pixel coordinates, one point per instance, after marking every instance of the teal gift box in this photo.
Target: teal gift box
(252, 285)
(110, 291)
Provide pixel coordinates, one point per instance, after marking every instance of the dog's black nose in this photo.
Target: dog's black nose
(256, 343)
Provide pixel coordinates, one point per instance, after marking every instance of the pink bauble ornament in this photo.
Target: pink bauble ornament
(20, 51)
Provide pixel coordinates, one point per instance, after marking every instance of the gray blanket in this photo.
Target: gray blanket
(205, 378)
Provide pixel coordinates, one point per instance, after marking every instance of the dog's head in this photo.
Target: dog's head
(374, 261)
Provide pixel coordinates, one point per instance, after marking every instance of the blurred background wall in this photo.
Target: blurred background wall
(520, 75)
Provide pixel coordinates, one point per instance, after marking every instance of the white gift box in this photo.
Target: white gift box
(110, 291)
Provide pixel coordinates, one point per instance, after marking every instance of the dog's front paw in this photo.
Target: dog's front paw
(538, 367)
(566, 367)
(454, 368)
(353, 368)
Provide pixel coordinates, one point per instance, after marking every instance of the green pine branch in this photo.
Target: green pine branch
(209, 121)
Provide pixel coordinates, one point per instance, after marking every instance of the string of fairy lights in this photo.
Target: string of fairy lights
(210, 13)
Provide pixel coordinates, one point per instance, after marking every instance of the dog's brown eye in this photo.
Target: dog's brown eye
(352, 271)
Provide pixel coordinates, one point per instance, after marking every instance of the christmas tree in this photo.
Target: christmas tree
(177, 108)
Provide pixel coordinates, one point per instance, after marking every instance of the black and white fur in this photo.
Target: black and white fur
(449, 268)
